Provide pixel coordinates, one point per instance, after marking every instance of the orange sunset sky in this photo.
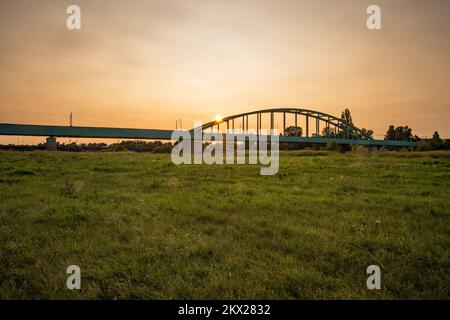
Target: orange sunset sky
(146, 63)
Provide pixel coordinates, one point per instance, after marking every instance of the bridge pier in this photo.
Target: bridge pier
(271, 122)
(307, 126)
(51, 144)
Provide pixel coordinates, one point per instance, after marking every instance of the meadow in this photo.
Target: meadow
(141, 227)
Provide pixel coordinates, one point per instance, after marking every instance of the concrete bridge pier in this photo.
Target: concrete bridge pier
(51, 144)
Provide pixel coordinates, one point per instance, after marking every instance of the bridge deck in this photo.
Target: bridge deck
(155, 134)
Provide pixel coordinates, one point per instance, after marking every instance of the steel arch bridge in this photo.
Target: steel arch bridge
(338, 131)
(336, 127)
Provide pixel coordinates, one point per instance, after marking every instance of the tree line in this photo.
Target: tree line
(129, 145)
(399, 133)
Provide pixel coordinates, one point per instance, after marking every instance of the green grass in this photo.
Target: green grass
(140, 227)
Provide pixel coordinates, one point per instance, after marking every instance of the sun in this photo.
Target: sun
(218, 119)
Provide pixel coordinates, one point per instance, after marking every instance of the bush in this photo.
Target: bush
(332, 146)
(344, 148)
(119, 148)
(425, 146)
(359, 148)
(166, 148)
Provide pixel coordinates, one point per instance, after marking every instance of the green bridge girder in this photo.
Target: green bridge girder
(155, 134)
(83, 132)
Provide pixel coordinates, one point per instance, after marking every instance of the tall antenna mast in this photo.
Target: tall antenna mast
(70, 122)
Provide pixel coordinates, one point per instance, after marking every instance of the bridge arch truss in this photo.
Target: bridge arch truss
(346, 130)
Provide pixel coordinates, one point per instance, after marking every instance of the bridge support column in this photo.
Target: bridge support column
(258, 127)
(271, 122)
(51, 144)
(258, 123)
(327, 126)
(307, 126)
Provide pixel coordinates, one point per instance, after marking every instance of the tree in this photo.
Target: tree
(329, 132)
(436, 142)
(367, 132)
(390, 134)
(404, 133)
(293, 131)
(347, 117)
(399, 133)
(436, 137)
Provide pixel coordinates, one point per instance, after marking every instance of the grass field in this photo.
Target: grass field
(140, 227)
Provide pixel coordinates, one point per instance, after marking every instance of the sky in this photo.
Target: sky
(144, 64)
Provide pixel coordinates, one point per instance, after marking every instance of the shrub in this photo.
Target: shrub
(424, 146)
(332, 146)
(361, 149)
(166, 148)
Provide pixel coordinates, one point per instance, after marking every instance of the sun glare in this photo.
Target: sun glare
(218, 119)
